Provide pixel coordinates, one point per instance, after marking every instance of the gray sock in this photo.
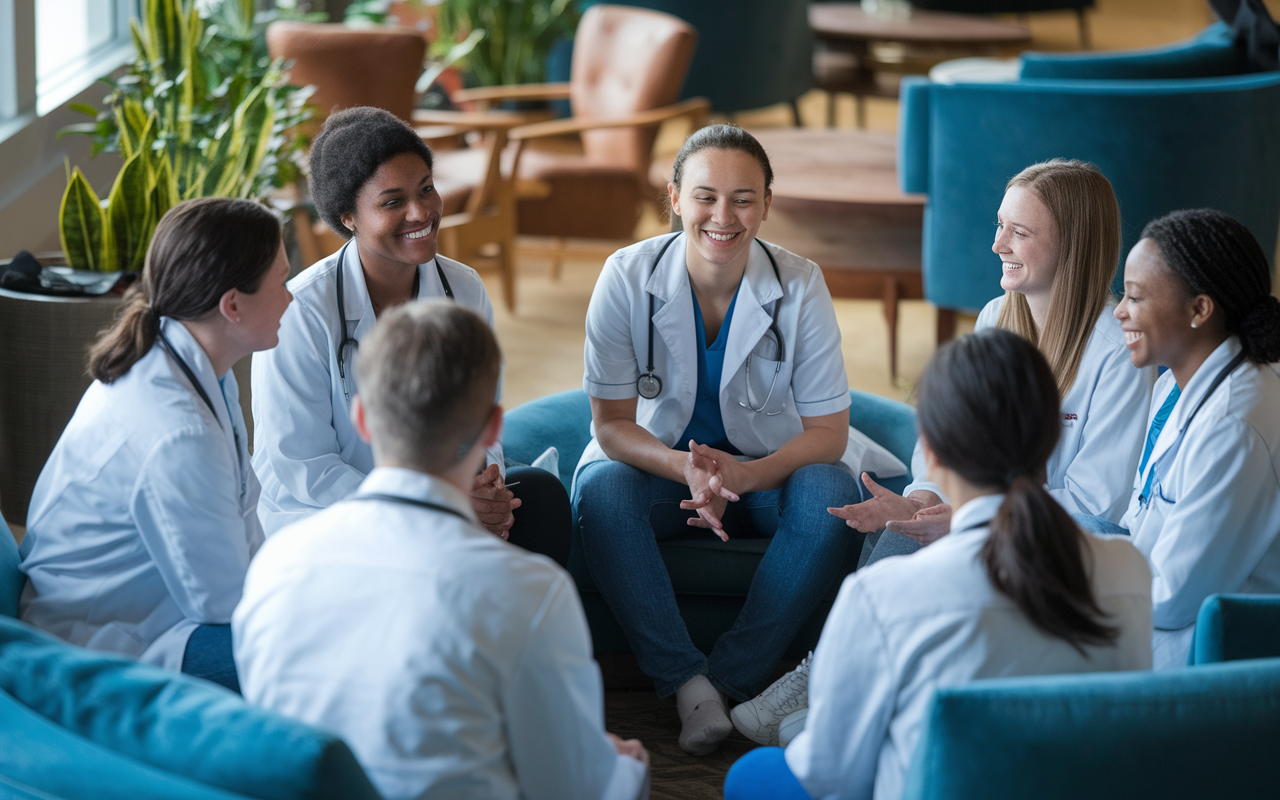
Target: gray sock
(705, 721)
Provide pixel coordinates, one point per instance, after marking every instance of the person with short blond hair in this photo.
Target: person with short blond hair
(455, 665)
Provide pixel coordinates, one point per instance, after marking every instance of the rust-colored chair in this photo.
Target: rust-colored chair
(379, 67)
(628, 67)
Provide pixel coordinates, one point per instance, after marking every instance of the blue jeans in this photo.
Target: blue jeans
(1092, 524)
(623, 513)
(209, 656)
(763, 774)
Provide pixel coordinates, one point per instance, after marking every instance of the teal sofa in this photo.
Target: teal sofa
(711, 578)
(78, 724)
(1173, 127)
(1181, 735)
(1231, 627)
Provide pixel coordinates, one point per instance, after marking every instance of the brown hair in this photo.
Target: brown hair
(721, 137)
(1087, 216)
(428, 377)
(989, 411)
(201, 250)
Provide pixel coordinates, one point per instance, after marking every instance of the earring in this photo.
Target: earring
(1195, 325)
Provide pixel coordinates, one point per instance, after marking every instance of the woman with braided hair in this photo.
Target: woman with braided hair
(1205, 507)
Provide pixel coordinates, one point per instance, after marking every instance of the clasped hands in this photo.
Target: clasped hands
(921, 516)
(709, 472)
(493, 502)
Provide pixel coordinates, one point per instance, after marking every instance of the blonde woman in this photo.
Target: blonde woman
(1058, 239)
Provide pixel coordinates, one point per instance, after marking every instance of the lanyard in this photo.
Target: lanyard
(1153, 482)
(195, 384)
(409, 501)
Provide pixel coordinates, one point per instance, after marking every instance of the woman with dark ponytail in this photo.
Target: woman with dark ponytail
(1016, 588)
(1205, 508)
(145, 517)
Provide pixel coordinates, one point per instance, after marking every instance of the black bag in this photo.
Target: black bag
(25, 274)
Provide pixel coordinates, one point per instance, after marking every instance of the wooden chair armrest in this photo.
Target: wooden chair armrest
(695, 108)
(524, 91)
(476, 120)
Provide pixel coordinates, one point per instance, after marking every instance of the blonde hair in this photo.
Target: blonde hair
(1087, 217)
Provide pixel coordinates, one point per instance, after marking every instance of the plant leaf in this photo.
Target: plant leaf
(127, 208)
(80, 224)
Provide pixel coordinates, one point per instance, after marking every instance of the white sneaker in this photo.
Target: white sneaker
(758, 719)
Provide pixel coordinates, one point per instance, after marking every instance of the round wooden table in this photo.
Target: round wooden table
(836, 202)
(843, 63)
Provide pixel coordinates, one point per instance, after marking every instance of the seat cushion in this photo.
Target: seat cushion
(174, 723)
(588, 200)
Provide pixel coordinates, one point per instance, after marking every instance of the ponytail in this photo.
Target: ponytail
(201, 250)
(990, 412)
(1035, 557)
(121, 346)
(1217, 256)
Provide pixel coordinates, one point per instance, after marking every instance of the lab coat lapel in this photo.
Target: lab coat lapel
(358, 308)
(673, 318)
(1196, 388)
(751, 317)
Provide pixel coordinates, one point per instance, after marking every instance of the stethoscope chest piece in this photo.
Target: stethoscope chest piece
(649, 385)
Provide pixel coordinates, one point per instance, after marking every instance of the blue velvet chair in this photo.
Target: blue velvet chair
(1171, 127)
(1237, 626)
(711, 578)
(76, 723)
(1197, 733)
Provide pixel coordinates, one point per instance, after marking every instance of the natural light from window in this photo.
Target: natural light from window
(67, 32)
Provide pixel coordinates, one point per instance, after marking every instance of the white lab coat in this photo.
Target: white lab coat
(1103, 424)
(144, 518)
(455, 665)
(906, 626)
(1213, 524)
(811, 382)
(306, 451)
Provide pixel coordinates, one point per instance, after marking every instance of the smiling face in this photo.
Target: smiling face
(262, 310)
(397, 215)
(1157, 309)
(722, 201)
(1027, 243)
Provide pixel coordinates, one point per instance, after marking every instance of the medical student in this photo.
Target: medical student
(1058, 239)
(719, 400)
(144, 519)
(372, 182)
(1205, 505)
(454, 664)
(1015, 589)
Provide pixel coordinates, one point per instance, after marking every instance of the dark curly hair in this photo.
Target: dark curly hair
(351, 146)
(1216, 255)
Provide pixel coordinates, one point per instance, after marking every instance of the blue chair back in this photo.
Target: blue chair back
(1164, 144)
(1205, 732)
(1237, 626)
(1212, 53)
(12, 579)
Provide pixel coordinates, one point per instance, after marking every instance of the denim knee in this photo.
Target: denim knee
(814, 488)
(604, 490)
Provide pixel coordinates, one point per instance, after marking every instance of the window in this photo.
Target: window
(76, 42)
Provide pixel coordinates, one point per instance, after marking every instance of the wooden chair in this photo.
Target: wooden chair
(628, 67)
(379, 67)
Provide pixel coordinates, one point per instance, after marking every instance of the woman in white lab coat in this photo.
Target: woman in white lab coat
(1205, 505)
(719, 400)
(1058, 239)
(1015, 589)
(372, 181)
(144, 518)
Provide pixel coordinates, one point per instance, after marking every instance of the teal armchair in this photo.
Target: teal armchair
(710, 577)
(1232, 627)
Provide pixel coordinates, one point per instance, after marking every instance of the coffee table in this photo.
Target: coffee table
(843, 61)
(836, 201)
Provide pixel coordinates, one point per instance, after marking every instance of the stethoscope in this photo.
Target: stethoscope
(411, 501)
(1153, 479)
(195, 384)
(649, 385)
(347, 339)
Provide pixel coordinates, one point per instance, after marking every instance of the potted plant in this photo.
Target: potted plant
(201, 111)
(519, 35)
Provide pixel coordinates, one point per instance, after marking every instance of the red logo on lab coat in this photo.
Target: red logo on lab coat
(1067, 417)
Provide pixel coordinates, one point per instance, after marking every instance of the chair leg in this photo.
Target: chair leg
(946, 325)
(507, 264)
(1082, 20)
(557, 259)
(860, 108)
(795, 113)
(831, 109)
(890, 302)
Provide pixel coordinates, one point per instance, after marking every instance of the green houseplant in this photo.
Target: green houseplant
(518, 36)
(203, 111)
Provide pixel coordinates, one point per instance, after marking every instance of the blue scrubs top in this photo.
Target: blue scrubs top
(706, 426)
